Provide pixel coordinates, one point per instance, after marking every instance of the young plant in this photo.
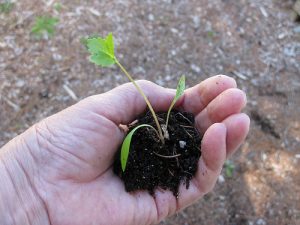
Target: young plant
(44, 25)
(6, 6)
(126, 144)
(57, 6)
(229, 167)
(179, 92)
(103, 54)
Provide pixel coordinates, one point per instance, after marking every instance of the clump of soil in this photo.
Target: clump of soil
(151, 164)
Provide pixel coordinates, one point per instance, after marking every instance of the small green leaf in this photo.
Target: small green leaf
(126, 145)
(180, 89)
(110, 44)
(229, 168)
(44, 25)
(101, 49)
(6, 6)
(101, 59)
(57, 6)
(179, 92)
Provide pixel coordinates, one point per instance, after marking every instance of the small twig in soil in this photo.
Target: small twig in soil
(70, 92)
(175, 153)
(171, 172)
(188, 172)
(20, 21)
(11, 104)
(132, 124)
(167, 156)
(187, 126)
(187, 133)
(184, 117)
(160, 119)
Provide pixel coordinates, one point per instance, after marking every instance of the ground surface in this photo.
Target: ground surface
(252, 40)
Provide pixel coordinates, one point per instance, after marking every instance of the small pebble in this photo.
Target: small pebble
(150, 17)
(182, 144)
(20, 83)
(222, 197)
(57, 57)
(281, 36)
(174, 30)
(221, 179)
(196, 68)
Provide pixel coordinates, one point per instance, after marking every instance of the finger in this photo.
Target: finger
(124, 104)
(209, 167)
(166, 204)
(229, 102)
(213, 150)
(198, 97)
(237, 129)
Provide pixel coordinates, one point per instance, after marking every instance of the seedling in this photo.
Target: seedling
(179, 92)
(6, 7)
(126, 145)
(229, 167)
(210, 34)
(57, 6)
(103, 54)
(44, 25)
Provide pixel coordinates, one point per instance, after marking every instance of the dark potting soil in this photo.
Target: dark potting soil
(151, 164)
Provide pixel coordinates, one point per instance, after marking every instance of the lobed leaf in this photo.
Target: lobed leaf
(126, 145)
(102, 50)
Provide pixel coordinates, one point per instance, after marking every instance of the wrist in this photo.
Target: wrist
(19, 200)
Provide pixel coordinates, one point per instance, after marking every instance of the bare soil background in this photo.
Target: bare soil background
(257, 42)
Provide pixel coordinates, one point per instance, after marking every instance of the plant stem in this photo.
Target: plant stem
(145, 98)
(168, 115)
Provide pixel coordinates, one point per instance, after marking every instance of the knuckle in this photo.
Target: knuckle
(145, 82)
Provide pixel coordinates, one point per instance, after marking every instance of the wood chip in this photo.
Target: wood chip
(70, 92)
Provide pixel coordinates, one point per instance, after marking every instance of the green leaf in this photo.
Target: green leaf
(44, 24)
(101, 49)
(180, 89)
(84, 40)
(179, 92)
(6, 6)
(229, 168)
(126, 145)
(57, 6)
(110, 44)
(101, 59)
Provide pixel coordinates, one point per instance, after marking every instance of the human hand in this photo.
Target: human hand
(67, 158)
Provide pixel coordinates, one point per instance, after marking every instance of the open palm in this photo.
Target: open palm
(74, 151)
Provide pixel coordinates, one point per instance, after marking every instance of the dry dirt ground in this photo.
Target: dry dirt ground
(254, 41)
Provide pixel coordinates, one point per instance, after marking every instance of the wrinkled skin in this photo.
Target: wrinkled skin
(67, 158)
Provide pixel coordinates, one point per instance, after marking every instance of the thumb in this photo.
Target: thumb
(124, 103)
